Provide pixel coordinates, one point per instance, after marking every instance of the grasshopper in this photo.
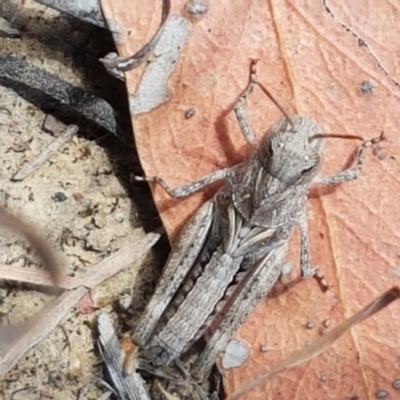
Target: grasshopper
(230, 254)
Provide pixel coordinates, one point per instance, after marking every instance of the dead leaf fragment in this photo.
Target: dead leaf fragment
(321, 344)
(313, 58)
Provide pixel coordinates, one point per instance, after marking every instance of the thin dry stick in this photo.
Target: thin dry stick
(46, 153)
(41, 245)
(39, 277)
(41, 325)
(115, 64)
(105, 396)
(7, 30)
(167, 395)
(322, 343)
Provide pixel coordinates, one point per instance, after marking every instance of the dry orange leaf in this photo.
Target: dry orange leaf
(319, 345)
(337, 63)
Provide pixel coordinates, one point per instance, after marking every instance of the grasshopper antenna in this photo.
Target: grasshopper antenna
(341, 136)
(253, 80)
(333, 135)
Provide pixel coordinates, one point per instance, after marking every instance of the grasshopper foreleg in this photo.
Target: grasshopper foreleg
(241, 114)
(186, 190)
(352, 172)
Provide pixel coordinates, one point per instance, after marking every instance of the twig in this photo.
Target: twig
(105, 396)
(37, 85)
(115, 65)
(39, 277)
(39, 326)
(46, 153)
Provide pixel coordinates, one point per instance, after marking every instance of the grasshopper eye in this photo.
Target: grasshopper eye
(270, 148)
(274, 145)
(310, 163)
(306, 171)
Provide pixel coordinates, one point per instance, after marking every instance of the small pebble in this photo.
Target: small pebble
(53, 125)
(59, 197)
(366, 88)
(381, 394)
(190, 113)
(78, 197)
(5, 116)
(125, 300)
(236, 353)
(197, 7)
(100, 221)
(310, 325)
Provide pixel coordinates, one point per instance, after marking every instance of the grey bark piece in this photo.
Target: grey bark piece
(130, 387)
(153, 89)
(41, 158)
(29, 81)
(85, 10)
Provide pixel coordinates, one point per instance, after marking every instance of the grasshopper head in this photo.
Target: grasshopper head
(290, 152)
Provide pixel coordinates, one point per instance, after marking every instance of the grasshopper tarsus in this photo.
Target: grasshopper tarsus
(378, 139)
(253, 68)
(322, 282)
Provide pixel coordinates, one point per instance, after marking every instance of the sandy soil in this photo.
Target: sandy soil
(82, 199)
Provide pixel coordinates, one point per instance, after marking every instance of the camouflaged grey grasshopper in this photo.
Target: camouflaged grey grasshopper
(231, 253)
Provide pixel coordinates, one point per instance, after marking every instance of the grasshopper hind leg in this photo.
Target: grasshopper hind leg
(257, 286)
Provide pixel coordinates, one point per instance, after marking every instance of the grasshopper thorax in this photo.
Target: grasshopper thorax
(290, 152)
